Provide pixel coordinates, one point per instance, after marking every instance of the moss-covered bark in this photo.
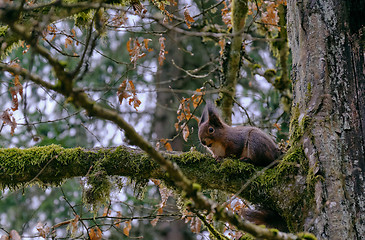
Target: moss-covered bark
(228, 88)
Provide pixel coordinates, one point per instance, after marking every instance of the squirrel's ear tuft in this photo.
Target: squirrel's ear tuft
(204, 117)
(214, 118)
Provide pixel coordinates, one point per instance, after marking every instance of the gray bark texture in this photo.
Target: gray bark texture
(327, 43)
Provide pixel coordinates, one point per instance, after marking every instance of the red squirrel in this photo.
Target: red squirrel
(247, 143)
(250, 144)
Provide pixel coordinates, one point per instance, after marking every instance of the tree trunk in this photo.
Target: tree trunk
(329, 102)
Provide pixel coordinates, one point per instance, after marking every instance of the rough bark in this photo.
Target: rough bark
(329, 87)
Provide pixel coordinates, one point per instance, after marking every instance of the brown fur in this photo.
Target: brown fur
(247, 143)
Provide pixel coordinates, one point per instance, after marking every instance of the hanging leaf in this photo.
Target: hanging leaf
(186, 133)
(188, 18)
(161, 55)
(74, 224)
(118, 221)
(277, 125)
(127, 228)
(8, 119)
(146, 44)
(122, 93)
(127, 90)
(226, 15)
(134, 47)
(154, 221)
(42, 229)
(68, 41)
(95, 234)
(106, 211)
(166, 144)
(222, 43)
(14, 235)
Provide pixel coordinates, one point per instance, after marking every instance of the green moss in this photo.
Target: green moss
(257, 66)
(189, 157)
(83, 18)
(197, 187)
(18, 164)
(274, 231)
(309, 90)
(3, 30)
(247, 236)
(269, 74)
(307, 236)
(98, 188)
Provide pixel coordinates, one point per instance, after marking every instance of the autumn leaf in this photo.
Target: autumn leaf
(222, 43)
(127, 90)
(127, 228)
(197, 97)
(68, 41)
(42, 229)
(117, 221)
(95, 234)
(14, 91)
(226, 15)
(14, 235)
(106, 211)
(155, 221)
(74, 223)
(165, 194)
(188, 18)
(277, 125)
(270, 15)
(156, 181)
(4, 237)
(134, 47)
(119, 19)
(8, 119)
(166, 144)
(26, 49)
(186, 133)
(146, 41)
(122, 94)
(161, 55)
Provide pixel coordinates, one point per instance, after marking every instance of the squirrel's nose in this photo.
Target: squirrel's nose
(204, 143)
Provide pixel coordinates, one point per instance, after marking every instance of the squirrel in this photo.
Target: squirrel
(248, 143)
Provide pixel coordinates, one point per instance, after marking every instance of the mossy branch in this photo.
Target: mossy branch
(52, 165)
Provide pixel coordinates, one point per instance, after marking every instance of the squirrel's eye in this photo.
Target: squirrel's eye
(211, 130)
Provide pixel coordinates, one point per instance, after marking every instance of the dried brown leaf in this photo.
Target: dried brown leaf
(161, 55)
(117, 221)
(188, 18)
(127, 228)
(186, 133)
(14, 235)
(8, 119)
(95, 234)
(42, 229)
